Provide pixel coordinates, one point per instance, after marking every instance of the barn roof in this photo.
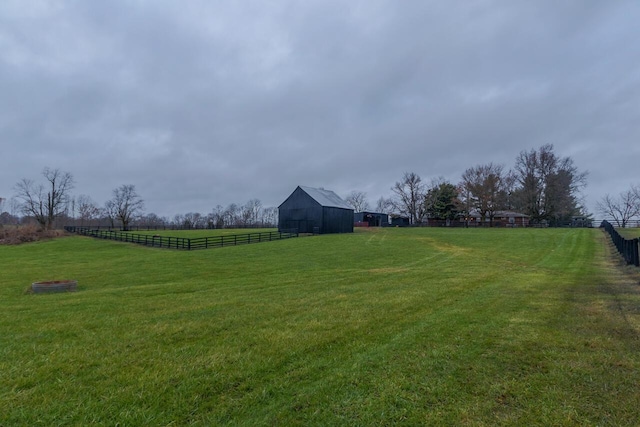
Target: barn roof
(326, 197)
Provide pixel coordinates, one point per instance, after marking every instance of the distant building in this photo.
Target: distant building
(399, 221)
(581, 221)
(315, 210)
(501, 219)
(370, 219)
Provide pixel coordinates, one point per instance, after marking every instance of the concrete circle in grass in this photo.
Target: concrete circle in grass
(54, 286)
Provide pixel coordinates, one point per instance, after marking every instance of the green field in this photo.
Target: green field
(477, 327)
(629, 233)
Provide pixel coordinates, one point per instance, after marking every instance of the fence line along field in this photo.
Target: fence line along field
(382, 326)
(205, 241)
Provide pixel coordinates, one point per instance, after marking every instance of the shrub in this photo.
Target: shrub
(26, 233)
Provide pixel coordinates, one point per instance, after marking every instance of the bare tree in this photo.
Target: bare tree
(125, 205)
(45, 202)
(270, 216)
(14, 205)
(484, 189)
(623, 208)
(217, 217)
(153, 220)
(231, 215)
(251, 212)
(384, 205)
(410, 197)
(88, 210)
(509, 181)
(358, 201)
(190, 220)
(110, 212)
(244, 216)
(178, 221)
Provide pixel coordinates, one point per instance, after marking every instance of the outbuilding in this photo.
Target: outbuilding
(371, 219)
(500, 219)
(399, 220)
(315, 210)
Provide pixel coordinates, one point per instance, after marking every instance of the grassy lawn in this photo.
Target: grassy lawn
(629, 233)
(379, 327)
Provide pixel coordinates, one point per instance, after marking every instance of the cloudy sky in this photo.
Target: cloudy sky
(200, 103)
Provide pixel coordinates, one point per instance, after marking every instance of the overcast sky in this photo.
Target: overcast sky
(200, 103)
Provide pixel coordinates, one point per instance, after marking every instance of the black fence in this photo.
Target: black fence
(170, 227)
(630, 223)
(183, 243)
(628, 248)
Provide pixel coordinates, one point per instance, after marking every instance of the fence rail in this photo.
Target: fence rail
(183, 243)
(165, 227)
(628, 248)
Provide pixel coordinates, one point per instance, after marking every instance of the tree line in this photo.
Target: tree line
(50, 201)
(542, 185)
(623, 208)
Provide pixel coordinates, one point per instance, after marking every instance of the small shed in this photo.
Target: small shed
(399, 220)
(371, 219)
(315, 210)
(581, 221)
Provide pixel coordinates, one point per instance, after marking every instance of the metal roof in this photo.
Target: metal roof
(326, 197)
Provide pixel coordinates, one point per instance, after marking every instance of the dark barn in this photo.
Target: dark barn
(315, 210)
(371, 219)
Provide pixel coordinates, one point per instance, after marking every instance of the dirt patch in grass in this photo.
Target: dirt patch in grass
(25, 234)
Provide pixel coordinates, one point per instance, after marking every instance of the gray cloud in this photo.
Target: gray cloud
(200, 104)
